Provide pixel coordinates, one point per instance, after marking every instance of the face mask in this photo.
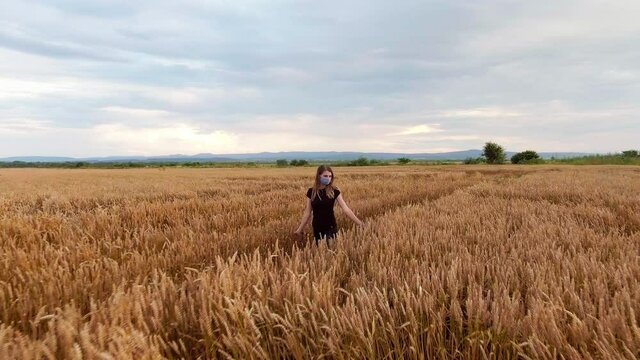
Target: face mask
(325, 181)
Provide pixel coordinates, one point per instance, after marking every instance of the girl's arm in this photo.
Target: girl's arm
(305, 217)
(348, 211)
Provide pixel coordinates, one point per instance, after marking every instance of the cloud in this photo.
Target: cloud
(525, 28)
(289, 75)
(478, 113)
(270, 76)
(133, 112)
(176, 138)
(22, 42)
(16, 89)
(419, 129)
(10, 127)
(198, 97)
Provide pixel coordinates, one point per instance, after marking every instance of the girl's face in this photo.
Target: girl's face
(327, 175)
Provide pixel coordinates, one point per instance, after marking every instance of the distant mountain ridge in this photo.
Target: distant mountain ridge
(288, 155)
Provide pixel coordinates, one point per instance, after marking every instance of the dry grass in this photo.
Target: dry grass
(456, 262)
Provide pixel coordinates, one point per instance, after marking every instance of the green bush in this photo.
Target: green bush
(526, 157)
(608, 159)
(473, 161)
(533, 161)
(404, 160)
(361, 161)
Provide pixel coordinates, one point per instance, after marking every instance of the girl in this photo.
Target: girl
(321, 199)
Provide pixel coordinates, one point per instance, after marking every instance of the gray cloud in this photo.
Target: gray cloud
(343, 76)
(52, 49)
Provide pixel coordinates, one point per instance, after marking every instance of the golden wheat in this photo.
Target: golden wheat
(456, 262)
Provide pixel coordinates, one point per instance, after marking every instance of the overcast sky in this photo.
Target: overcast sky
(97, 78)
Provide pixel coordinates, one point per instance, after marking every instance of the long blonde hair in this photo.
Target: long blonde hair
(329, 189)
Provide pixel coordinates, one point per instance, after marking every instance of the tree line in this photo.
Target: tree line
(493, 153)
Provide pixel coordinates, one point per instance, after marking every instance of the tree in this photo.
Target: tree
(630, 153)
(524, 157)
(282, 162)
(404, 160)
(494, 153)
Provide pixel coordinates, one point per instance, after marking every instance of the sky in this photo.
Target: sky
(100, 78)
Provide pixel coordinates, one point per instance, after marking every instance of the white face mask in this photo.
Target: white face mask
(325, 181)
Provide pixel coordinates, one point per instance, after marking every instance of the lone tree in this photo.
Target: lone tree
(404, 160)
(525, 157)
(494, 153)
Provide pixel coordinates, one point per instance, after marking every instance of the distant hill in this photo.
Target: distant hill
(289, 155)
(38, 159)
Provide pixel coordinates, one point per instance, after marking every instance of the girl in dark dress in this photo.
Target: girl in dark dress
(320, 201)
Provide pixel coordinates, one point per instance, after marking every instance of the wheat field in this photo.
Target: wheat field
(456, 262)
